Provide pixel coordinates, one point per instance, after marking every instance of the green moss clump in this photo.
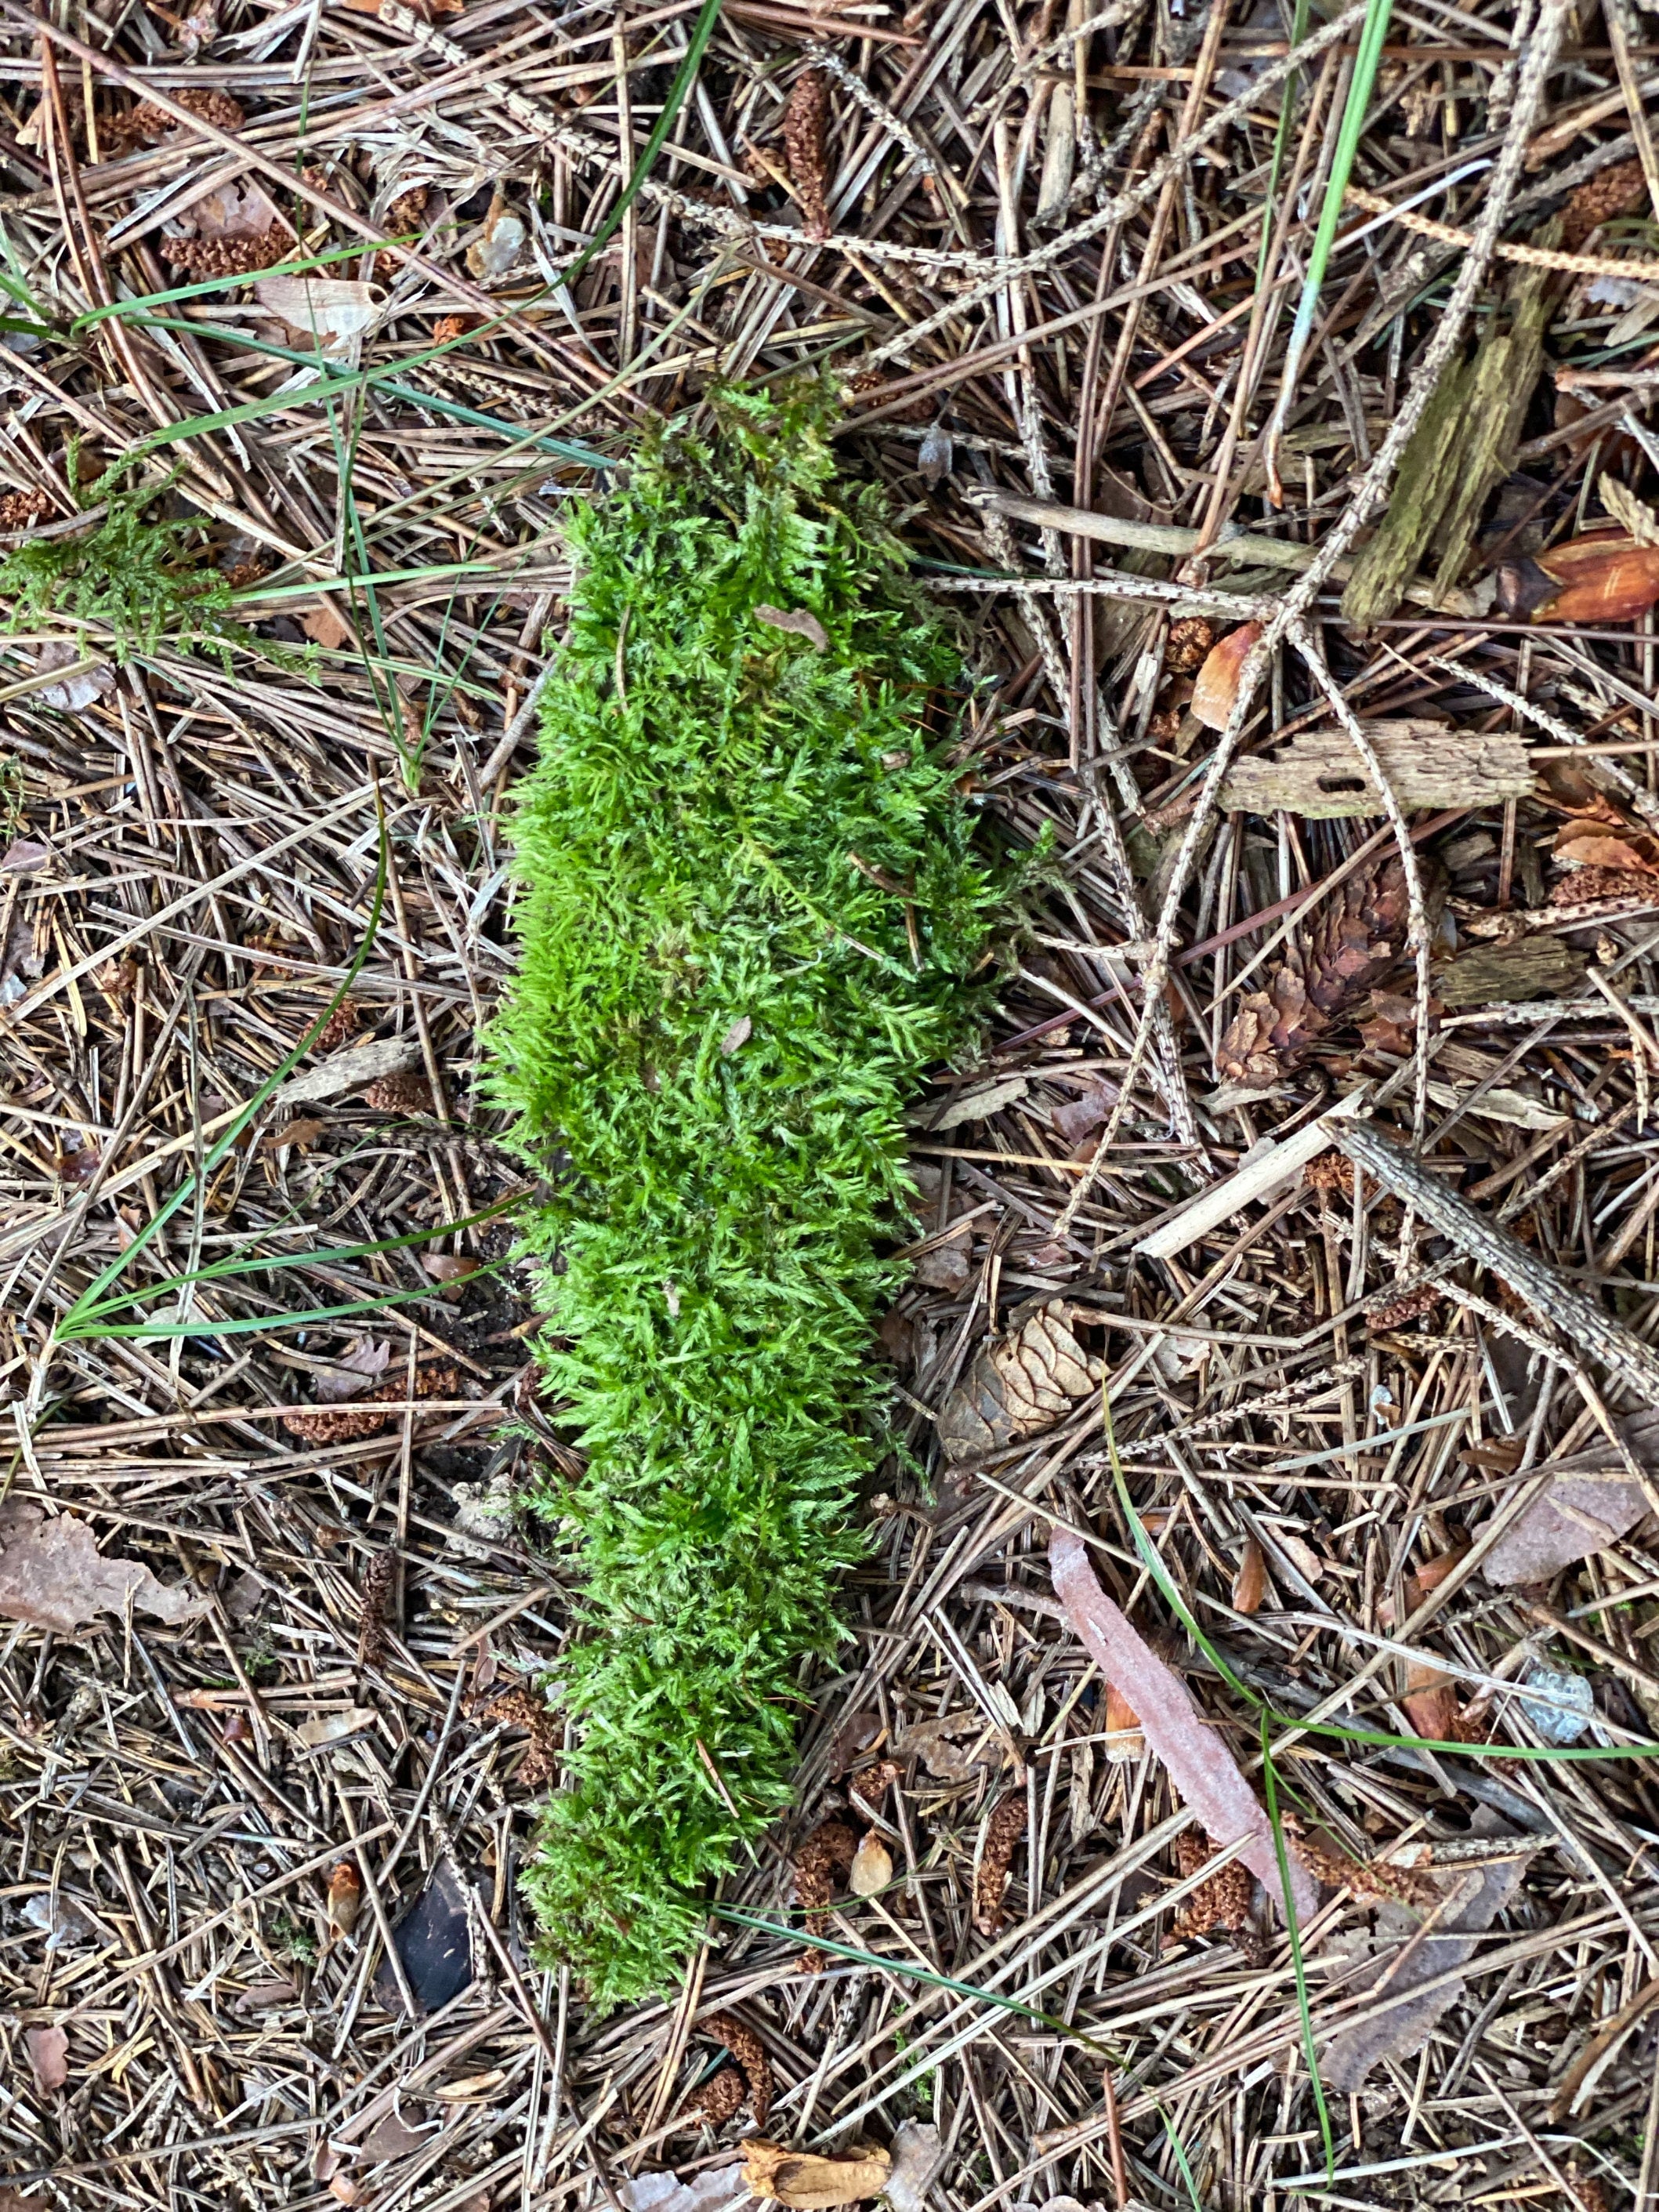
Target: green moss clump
(749, 906)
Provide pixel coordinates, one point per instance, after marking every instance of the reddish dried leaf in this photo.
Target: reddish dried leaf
(1603, 577)
(48, 2050)
(1199, 1764)
(1250, 1582)
(345, 1897)
(1577, 846)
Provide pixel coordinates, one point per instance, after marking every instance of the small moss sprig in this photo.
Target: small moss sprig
(750, 901)
(139, 577)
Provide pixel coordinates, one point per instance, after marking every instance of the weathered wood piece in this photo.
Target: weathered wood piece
(1429, 766)
(1496, 975)
(1592, 1332)
(1264, 1170)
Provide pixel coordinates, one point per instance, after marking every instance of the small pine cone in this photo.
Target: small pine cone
(225, 257)
(1394, 1313)
(402, 1095)
(1356, 937)
(805, 133)
(869, 384)
(334, 1425)
(1222, 1901)
(1621, 189)
(1188, 646)
(341, 1025)
(869, 1788)
(22, 510)
(745, 2047)
(241, 573)
(1002, 1832)
(373, 1596)
(718, 2100)
(822, 1863)
(214, 106)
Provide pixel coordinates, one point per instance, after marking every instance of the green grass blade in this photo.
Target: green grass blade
(1361, 84)
(1152, 1560)
(1281, 142)
(251, 1324)
(221, 1271)
(335, 384)
(136, 310)
(1298, 1965)
(911, 1971)
(702, 31)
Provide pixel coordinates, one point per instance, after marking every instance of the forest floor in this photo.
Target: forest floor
(270, 1615)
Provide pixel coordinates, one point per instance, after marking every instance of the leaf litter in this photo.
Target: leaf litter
(1368, 1464)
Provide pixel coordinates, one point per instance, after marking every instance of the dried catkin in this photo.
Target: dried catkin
(1002, 1832)
(374, 1596)
(746, 2047)
(806, 134)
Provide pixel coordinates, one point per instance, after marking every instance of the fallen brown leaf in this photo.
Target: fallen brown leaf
(53, 1575)
(1603, 577)
(345, 1899)
(807, 2183)
(324, 628)
(1199, 1764)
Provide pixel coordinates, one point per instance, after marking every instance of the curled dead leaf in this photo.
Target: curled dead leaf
(53, 1575)
(807, 2183)
(1250, 1582)
(1197, 1756)
(335, 1727)
(1603, 577)
(799, 621)
(872, 1867)
(300, 1135)
(451, 1269)
(1430, 1703)
(328, 311)
(499, 244)
(1216, 692)
(345, 1899)
(324, 628)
